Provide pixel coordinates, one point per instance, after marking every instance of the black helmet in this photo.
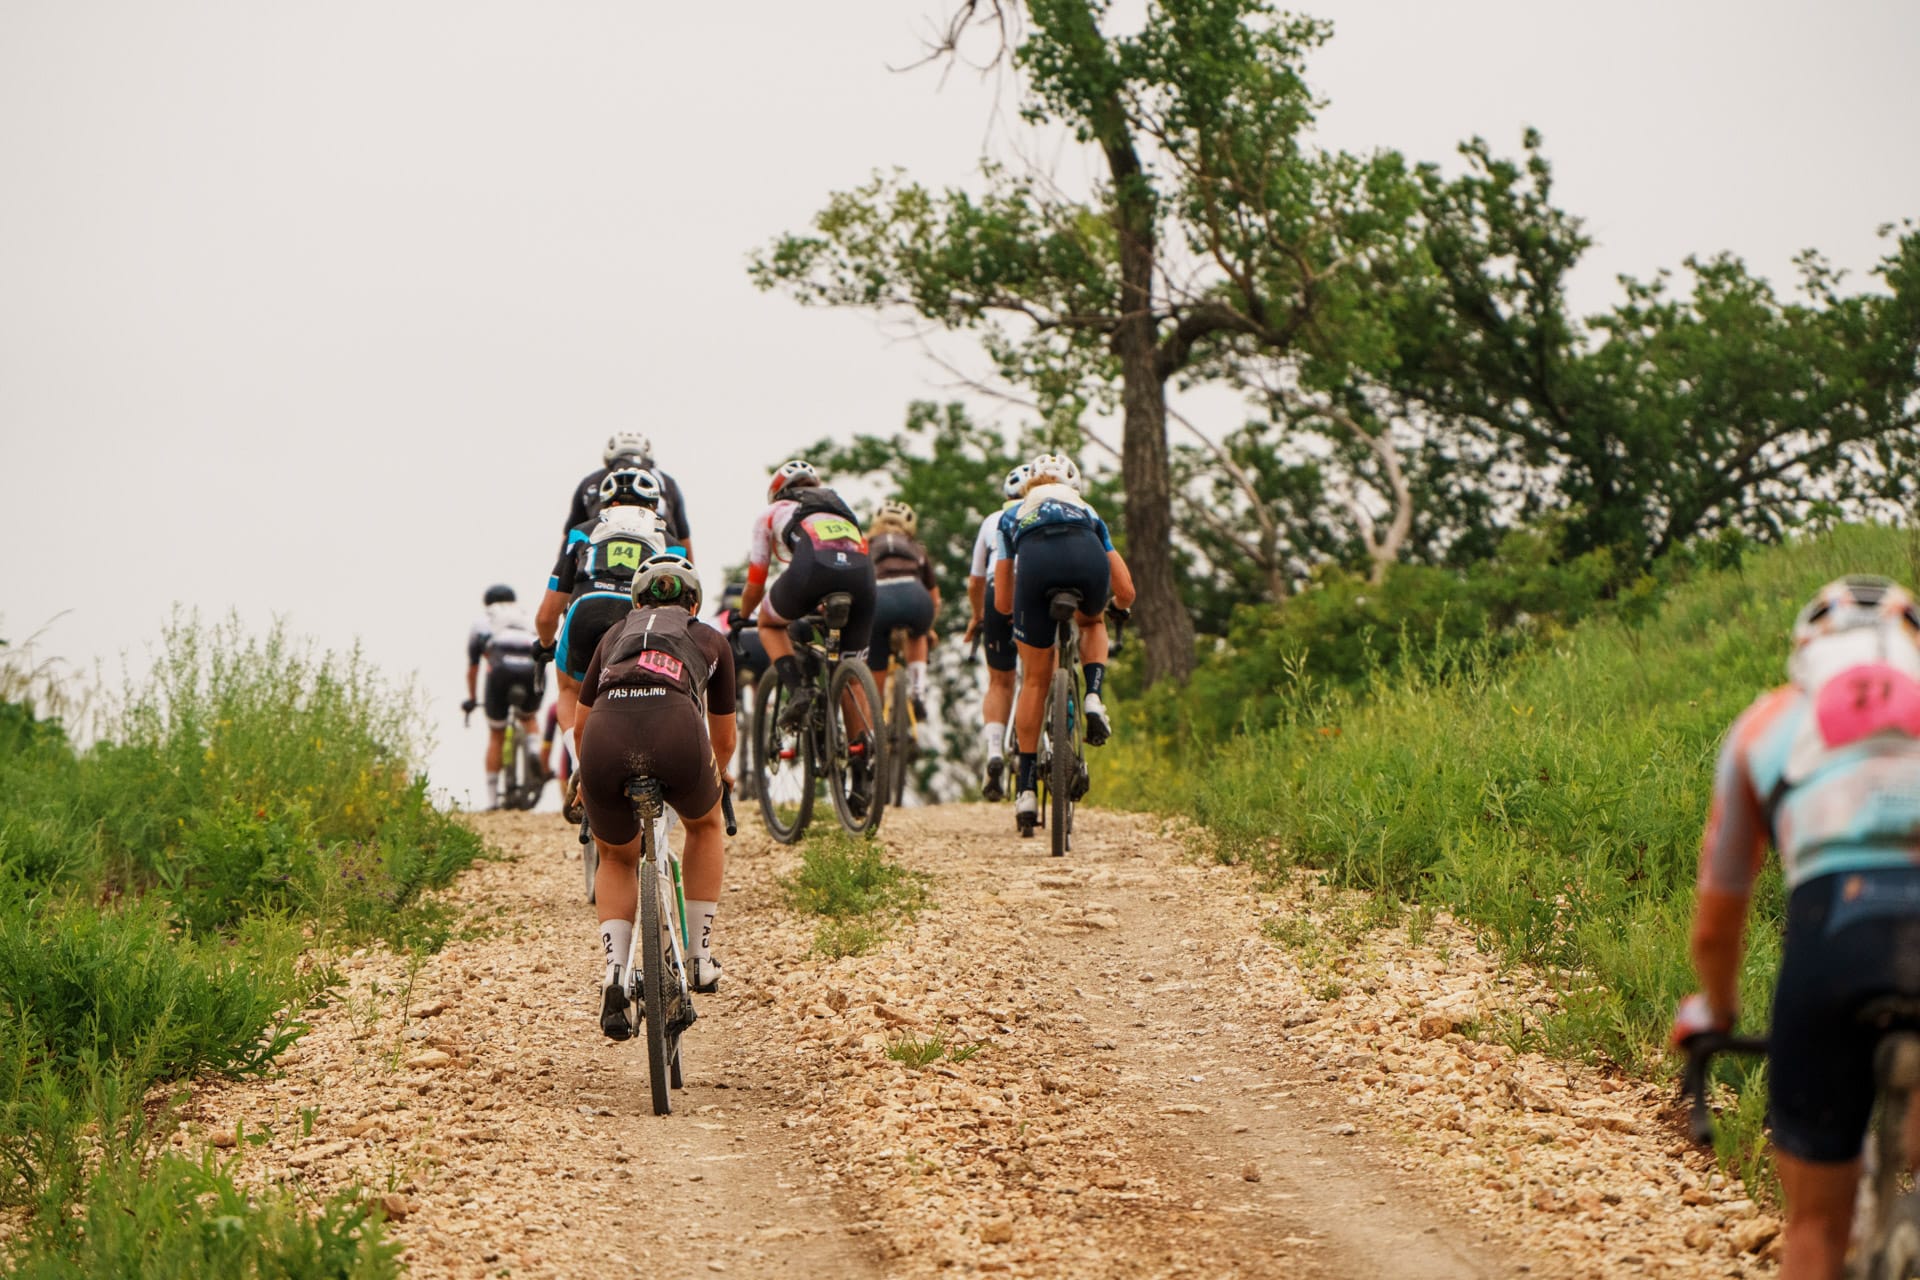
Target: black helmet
(499, 593)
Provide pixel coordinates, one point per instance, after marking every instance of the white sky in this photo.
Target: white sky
(319, 310)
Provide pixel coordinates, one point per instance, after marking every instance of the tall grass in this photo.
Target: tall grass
(157, 887)
(1557, 799)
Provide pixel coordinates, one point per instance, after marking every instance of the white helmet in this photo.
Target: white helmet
(786, 473)
(631, 486)
(667, 580)
(631, 522)
(1851, 621)
(1016, 482)
(627, 444)
(1052, 468)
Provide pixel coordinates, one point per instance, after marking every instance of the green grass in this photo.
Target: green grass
(1555, 799)
(157, 889)
(920, 1052)
(855, 887)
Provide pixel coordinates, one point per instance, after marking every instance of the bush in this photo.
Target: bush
(855, 886)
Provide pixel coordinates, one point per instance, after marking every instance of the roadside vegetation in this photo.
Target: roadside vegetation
(1547, 784)
(161, 884)
(857, 890)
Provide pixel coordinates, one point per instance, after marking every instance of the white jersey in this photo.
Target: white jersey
(986, 548)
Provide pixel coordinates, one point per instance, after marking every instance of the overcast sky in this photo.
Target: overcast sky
(319, 310)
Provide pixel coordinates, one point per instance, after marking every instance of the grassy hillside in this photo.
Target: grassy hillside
(1555, 799)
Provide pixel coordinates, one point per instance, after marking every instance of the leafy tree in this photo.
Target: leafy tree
(1668, 417)
(1216, 231)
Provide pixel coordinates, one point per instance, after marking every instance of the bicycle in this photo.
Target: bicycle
(787, 762)
(902, 724)
(1886, 1223)
(522, 779)
(1063, 775)
(657, 986)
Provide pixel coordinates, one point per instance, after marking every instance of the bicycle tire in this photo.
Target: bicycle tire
(774, 778)
(899, 731)
(653, 978)
(531, 784)
(1065, 751)
(852, 676)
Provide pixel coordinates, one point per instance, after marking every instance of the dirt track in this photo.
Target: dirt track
(1161, 1089)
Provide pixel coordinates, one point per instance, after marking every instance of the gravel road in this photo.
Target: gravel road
(1162, 1086)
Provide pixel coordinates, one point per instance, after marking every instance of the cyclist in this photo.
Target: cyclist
(906, 595)
(995, 632)
(749, 654)
(1827, 770)
(631, 449)
(592, 581)
(657, 700)
(1054, 539)
(504, 638)
(815, 531)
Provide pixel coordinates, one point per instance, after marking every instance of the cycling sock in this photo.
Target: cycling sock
(700, 928)
(917, 678)
(1029, 770)
(996, 738)
(789, 669)
(1096, 676)
(616, 940)
(493, 789)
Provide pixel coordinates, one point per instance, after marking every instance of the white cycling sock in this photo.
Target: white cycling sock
(917, 678)
(996, 738)
(493, 789)
(616, 940)
(700, 928)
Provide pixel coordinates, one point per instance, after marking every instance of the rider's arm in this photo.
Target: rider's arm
(473, 681)
(759, 556)
(1122, 580)
(722, 689)
(677, 509)
(1003, 585)
(1731, 855)
(976, 602)
(546, 623)
(589, 690)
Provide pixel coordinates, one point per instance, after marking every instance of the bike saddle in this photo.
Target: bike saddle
(1063, 604)
(834, 607)
(646, 793)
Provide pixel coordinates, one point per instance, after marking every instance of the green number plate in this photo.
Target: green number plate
(625, 555)
(834, 529)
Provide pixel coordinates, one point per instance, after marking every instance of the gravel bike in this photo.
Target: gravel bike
(656, 972)
(1886, 1216)
(522, 777)
(836, 739)
(1062, 760)
(903, 743)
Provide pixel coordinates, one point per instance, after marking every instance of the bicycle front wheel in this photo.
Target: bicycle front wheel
(899, 735)
(1063, 731)
(856, 763)
(653, 981)
(782, 765)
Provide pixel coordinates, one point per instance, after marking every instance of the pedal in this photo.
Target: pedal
(1028, 822)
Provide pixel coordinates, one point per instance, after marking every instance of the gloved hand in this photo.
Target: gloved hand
(543, 654)
(468, 706)
(1693, 1017)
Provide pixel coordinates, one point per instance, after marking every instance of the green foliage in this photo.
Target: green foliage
(920, 1052)
(856, 887)
(1555, 799)
(179, 1219)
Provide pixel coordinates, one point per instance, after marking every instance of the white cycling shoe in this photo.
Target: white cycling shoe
(1026, 812)
(703, 974)
(1099, 728)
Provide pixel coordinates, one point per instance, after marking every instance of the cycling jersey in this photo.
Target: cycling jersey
(512, 684)
(895, 555)
(608, 565)
(673, 508)
(1833, 780)
(814, 517)
(1047, 509)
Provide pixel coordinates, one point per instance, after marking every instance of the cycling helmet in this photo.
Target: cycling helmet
(788, 473)
(1052, 468)
(627, 444)
(667, 579)
(897, 513)
(1853, 620)
(630, 487)
(499, 593)
(1016, 482)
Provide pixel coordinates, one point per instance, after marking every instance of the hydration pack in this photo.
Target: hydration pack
(656, 647)
(619, 545)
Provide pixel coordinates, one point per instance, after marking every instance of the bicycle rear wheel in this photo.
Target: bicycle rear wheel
(856, 762)
(899, 735)
(782, 765)
(653, 978)
(1063, 733)
(531, 783)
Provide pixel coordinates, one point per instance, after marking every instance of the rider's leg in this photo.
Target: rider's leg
(496, 739)
(917, 648)
(703, 864)
(994, 708)
(616, 892)
(1038, 664)
(1093, 650)
(566, 700)
(530, 726)
(1819, 1216)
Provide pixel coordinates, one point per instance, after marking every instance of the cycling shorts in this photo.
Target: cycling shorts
(898, 602)
(1851, 936)
(996, 637)
(662, 736)
(588, 619)
(1053, 558)
(819, 572)
(512, 688)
